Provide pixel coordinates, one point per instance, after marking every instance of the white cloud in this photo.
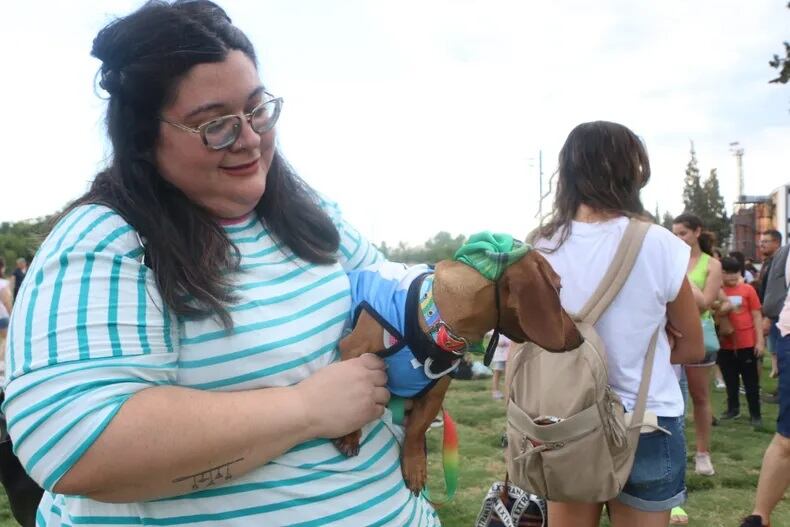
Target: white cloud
(427, 116)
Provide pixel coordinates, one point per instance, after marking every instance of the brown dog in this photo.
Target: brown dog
(523, 304)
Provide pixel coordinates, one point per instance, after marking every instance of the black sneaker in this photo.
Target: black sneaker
(757, 423)
(730, 414)
(753, 521)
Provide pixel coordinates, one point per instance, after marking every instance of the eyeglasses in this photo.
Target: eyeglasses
(221, 132)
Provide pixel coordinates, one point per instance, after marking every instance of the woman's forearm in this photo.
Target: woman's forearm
(166, 441)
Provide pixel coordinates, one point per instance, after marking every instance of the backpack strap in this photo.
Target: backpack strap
(617, 274)
(635, 427)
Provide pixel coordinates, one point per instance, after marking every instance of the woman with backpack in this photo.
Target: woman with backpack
(602, 168)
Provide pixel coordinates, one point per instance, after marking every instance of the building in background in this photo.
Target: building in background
(752, 215)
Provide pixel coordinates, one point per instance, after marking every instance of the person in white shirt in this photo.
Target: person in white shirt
(498, 363)
(602, 168)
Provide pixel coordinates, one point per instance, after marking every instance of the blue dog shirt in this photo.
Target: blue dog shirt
(383, 291)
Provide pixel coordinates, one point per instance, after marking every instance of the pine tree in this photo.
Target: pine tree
(666, 220)
(715, 217)
(705, 200)
(693, 197)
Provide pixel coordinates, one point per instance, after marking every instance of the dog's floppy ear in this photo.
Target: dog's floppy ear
(529, 292)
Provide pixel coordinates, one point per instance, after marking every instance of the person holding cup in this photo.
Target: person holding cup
(740, 351)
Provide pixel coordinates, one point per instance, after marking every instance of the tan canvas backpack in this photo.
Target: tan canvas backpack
(568, 436)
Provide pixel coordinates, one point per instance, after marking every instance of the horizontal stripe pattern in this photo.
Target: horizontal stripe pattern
(95, 332)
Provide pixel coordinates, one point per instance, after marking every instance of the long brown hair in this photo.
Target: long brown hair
(706, 239)
(144, 55)
(603, 165)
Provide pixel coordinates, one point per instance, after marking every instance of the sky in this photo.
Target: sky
(422, 116)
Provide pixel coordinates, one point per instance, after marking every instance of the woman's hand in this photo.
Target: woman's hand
(672, 335)
(344, 396)
(725, 308)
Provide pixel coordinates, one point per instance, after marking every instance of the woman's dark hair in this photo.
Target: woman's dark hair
(144, 56)
(602, 165)
(731, 264)
(706, 238)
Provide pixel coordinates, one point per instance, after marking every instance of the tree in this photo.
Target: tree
(715, 215)
(441, 247)
(782, 63)
(21, 240)
(693, 197)
(667, 220)
(385, 250)
(705, 200)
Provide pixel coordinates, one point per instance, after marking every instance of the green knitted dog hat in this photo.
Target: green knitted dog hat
(491, 253)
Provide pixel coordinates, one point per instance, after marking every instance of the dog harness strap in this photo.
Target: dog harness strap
(420, 344)
(489, 355)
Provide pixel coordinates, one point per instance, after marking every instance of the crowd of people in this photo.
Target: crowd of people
(174, 359)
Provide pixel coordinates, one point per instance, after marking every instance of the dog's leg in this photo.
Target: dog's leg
(367, 337)
(414, 461)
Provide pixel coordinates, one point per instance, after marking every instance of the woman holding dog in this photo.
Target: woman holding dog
(602, 168)
(172, 360)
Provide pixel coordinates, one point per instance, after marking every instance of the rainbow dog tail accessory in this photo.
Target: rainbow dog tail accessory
(449, 460)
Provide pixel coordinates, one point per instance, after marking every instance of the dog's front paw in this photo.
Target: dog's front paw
(414, 470)
(349, 443)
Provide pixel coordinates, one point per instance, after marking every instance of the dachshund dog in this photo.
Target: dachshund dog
(524, 304)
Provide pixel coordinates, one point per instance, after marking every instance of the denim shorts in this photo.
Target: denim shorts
(773, 338)
(658, 478)
(783, 363)
(708, 360)
(3, 322)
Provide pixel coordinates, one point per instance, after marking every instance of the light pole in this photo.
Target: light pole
(737, 151)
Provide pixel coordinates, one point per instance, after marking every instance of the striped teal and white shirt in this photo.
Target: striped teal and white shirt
(90, 329)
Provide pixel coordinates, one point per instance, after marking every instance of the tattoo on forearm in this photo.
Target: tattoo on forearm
(208, 477)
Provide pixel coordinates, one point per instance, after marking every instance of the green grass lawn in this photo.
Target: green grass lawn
(6, 520)
(718, 501)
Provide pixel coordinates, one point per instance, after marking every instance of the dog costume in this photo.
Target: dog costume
(395, 294)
